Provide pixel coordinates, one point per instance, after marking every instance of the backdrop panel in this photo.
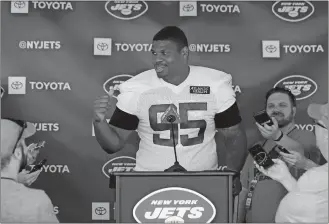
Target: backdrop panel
(57, 57)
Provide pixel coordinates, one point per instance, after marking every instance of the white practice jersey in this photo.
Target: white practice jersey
(197, 100)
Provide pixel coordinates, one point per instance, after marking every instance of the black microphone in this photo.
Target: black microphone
(176, 167)
(171, 119)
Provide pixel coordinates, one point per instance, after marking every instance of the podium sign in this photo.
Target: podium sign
(162, 197)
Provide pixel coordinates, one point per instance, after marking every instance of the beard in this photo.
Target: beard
(281, 119)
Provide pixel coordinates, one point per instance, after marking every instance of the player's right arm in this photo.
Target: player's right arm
(112, 136)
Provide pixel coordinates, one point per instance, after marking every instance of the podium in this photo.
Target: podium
(165, 197)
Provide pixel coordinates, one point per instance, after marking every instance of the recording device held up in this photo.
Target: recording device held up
(262, 118)
(260, 156)
(38, 166)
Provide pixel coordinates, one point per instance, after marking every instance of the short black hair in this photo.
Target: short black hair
(174, 34)
(279, 89)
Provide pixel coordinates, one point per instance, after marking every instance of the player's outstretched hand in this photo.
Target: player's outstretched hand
(101, 106)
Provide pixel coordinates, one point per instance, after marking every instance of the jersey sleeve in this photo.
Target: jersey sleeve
(128, 98)
(223, 90)
(125, 114)
(228, 113)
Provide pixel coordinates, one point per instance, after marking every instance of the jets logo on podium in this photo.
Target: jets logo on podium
(174, 205)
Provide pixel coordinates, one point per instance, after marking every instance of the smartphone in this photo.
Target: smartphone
(38, 166)
(260, 156)
(262, 118)
(282, 149)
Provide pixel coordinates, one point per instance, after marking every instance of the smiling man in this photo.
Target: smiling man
(202, 97)
(281, 106)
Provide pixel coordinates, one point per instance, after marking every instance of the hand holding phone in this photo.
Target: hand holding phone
(27, 178)
(282, 149)
(279, 171)
(260, 156)
(262, 118)
(38, 166)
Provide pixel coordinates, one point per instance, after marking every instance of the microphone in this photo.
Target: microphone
(176, 167)
(171, 118)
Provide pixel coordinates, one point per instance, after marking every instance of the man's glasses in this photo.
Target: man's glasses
(20, 123)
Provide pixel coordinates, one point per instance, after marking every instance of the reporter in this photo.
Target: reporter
(307, 200)
(24, 177)
(18, 202)
(281, 106)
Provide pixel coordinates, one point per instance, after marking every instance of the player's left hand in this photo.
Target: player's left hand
(270, 132)
(237, 187)
(26, 178)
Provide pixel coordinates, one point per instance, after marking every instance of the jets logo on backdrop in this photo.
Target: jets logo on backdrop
(301, 86)
(126, 10)
(293, 11)
(174, 204)
(119, 164)
(114, 82)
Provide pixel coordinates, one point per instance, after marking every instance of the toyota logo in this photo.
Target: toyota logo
(102, 46)
(188, 7)
(19, 4)
(16, 85)
(271, 48)
(100, 211)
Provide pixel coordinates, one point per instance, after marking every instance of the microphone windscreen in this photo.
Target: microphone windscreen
(171, 118)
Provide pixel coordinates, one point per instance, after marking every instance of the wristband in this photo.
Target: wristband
(276, 140)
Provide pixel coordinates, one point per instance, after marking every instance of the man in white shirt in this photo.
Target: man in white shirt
(18, 202)
(307, 200)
